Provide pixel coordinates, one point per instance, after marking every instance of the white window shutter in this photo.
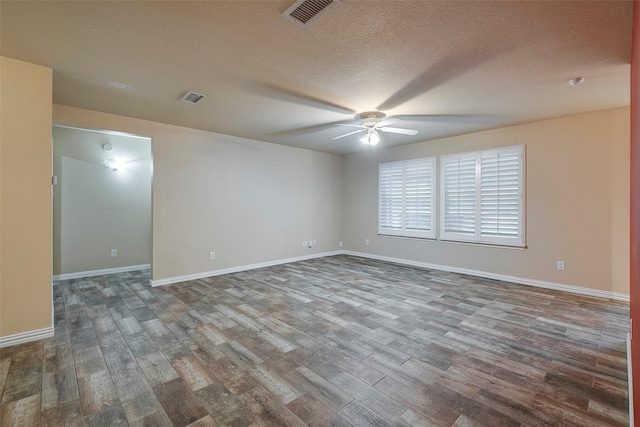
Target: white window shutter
(391, 216)
(406, 198)
(483, 196)
(459, 188)
(500, 195)
(418, 194)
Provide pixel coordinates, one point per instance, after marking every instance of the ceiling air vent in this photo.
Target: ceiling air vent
(192, 97)
(304, 11)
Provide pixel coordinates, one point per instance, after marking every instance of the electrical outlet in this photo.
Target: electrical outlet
(366, 241)
(305, 243)
(340, 244)
(314, 242)
(212, 255)
(114, 253)
(560, 265)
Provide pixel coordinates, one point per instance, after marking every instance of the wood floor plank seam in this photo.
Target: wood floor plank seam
(335, 341)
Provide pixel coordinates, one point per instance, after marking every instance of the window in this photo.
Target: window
(482, 196)
(407, 198)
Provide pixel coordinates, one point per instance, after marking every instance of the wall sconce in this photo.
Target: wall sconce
(115, 164)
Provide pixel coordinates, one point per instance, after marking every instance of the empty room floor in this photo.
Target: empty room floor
(333, 341)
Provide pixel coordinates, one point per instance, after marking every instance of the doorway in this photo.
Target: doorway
(101, 202)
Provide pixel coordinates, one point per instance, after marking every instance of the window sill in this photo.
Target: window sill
(456, 242)
(433, 239)
(484, 244)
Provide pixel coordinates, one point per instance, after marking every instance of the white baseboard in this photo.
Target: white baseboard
(479, 273)
(24, 337)
(196, 276)
(488, 275)
(93, 273)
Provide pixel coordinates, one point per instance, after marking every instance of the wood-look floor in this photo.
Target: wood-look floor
(329, 342)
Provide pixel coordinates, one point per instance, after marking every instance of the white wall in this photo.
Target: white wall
(249, 201)
(577, 180)
(97, 209)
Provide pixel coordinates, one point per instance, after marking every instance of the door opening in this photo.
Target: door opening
(102, 202)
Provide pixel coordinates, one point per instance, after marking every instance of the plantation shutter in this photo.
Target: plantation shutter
(407, 198)
(483, 197)
(418, 196)
(500, 195)
(391, 196)
(459, 177)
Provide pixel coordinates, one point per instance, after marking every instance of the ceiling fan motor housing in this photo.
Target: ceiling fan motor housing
(370, 119)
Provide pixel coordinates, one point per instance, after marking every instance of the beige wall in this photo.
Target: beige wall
(96, 209)
(248, 201)
(577, 202)
(253, 202)
(25, 195)
(619, 201)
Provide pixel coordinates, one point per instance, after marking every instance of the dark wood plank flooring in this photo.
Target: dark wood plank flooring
(336, 341)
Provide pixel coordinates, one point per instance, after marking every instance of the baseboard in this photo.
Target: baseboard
(479, 273)
(488, 275)
(196, 276)
(630, 378)
(24, 337)
(93, 273)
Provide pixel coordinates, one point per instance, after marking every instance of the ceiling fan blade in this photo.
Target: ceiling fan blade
(350, 133)
(388, 121)
(399, 130)
(444, 117)
(443, 71)
(305, 130)
(351, 125)
(288, 95)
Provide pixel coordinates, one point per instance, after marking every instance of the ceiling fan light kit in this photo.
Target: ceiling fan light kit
(371, 138)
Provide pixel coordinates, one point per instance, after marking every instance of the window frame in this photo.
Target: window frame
(477, 237)
(403, 231)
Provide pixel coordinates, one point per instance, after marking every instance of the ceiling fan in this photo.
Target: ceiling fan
(371, 123)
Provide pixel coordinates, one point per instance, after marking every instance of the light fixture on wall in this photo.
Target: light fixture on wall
(115, 164)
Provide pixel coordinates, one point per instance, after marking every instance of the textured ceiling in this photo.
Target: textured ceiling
(467, 65)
